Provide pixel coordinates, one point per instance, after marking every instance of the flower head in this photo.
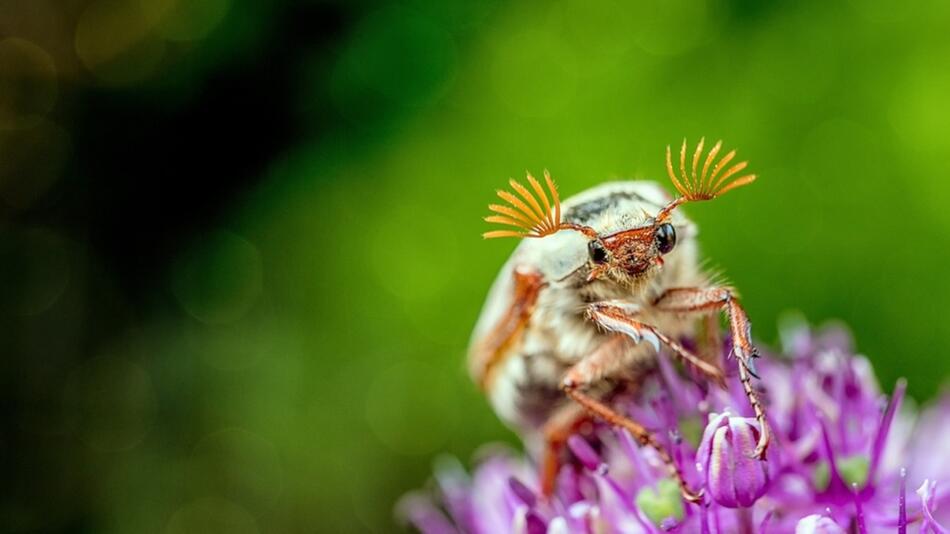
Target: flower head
(733, 476)
(842, 456)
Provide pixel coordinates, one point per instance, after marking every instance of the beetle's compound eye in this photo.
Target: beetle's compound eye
(665, 238)
(598, 254)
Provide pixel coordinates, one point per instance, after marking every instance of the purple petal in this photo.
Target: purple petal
(704, 519)
(927, 494)
(454, 485)
(749, 474)
(859, 511)
(632, 452)
(558, 525)
(616, 508)
(491, 509)
(902, 514)
(719, 474)
(584, 452)
(884, 428)
(764, 524)
(534, 524)
(522, 492)
(705, 444)
(818, 524)
(835, 481)
(424, 515)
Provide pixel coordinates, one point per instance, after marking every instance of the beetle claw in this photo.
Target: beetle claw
(652, 339)
(750, 366)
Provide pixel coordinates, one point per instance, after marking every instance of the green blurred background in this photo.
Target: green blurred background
(239, 240)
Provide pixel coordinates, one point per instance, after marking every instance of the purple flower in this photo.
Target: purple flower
(733, 477)
(841, 459)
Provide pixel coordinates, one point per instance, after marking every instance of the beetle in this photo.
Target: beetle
(581, 308)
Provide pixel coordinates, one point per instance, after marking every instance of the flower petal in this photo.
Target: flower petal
(750, 476)
(818, 524)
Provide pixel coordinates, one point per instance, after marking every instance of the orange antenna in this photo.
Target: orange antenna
(530, 217)
(706, 185)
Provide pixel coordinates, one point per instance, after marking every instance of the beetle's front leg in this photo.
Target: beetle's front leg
(621, 317)
(694, 300)
(591, 370)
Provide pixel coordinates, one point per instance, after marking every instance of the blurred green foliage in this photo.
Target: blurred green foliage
(313, 364)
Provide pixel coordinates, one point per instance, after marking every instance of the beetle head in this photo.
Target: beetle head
(628, 256)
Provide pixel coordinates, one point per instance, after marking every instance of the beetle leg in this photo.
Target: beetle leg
(491, 351)
(589, 371)
(560, 426)
(696, 300)
(618, 317)
(567, 420)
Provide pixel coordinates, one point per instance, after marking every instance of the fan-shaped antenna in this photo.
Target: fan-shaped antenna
(706, 184)
(524, 212)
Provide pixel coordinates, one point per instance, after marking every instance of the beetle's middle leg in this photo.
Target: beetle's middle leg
(592, 369)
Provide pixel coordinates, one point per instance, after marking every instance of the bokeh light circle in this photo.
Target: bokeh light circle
(115, 402)
(28, 86)
(797, 63)
(220, 280)
(411, 407)
(233, 346)
(32, 158)
(211, 514)
(673, 26)
(35, 268)
(239, 465)
(917, 102)
(403, 258)
(598, 29)
(116, 42)
(396, 54)
(533, 73)
(185, 20)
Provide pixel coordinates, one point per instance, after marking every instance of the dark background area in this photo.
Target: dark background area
(239, 241)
